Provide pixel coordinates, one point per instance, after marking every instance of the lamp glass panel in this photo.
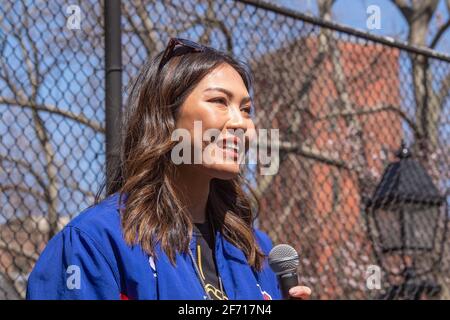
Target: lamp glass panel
(388, 225)
(420, 226)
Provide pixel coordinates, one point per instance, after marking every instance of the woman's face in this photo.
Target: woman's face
(221, 102)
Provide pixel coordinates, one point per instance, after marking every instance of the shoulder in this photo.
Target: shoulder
(87, 247)
(96, 230)
(97, 227)
(99, 216)
(100, 222)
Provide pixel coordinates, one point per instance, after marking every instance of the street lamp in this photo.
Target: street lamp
(407, 221)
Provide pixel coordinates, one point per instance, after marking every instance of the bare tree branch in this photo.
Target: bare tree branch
(54, 110)
(76, 186)
(325, 8)
(307, 152)
(210, 21)
(312, 153)
(28, 190)
(51, 190)
(27, 166)
(439, 34)
(288, 149)
(5, 73)
(404, 8)
(377, 109)
(444, 90)
(151, 40)
(143, 36)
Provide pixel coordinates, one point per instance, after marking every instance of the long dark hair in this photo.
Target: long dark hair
(146, 175)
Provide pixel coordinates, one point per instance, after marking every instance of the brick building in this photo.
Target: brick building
(327, 160)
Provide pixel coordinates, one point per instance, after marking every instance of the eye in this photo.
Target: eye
(247, 109)
(220, 100)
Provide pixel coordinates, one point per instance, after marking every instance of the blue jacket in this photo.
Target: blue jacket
(89, 259)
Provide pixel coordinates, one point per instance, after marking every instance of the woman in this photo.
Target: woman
(170, 229)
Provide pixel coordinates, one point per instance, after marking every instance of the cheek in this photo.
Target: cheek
(208, 116)
(211, 118)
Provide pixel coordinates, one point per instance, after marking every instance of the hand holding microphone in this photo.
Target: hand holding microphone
(284, 260)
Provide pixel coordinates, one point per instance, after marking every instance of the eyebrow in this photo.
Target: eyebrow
(229, 93)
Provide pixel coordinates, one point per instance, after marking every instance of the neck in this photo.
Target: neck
(193, 190)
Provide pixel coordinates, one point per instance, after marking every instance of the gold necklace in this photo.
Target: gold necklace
(197, 271)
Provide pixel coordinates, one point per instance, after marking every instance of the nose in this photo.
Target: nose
(236, 120)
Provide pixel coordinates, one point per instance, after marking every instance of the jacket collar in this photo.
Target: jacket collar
(230, 250)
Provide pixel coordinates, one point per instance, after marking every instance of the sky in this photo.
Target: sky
(353, 13)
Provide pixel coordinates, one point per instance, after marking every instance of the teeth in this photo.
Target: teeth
(231, 146)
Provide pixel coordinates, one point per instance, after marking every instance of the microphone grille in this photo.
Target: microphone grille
(283, 258)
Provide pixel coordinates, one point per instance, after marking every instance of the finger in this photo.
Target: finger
(300, 292)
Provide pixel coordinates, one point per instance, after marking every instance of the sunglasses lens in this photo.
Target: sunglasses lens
(190, 44)
(174, 42)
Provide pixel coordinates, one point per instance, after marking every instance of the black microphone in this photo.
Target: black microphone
(284, 260)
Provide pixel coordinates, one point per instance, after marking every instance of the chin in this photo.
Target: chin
(224, 171)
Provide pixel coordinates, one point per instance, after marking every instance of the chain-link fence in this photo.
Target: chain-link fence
(343, 102)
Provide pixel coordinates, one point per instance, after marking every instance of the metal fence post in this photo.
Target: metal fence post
(113, 84)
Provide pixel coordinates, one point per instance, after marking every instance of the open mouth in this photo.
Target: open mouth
(230, 145)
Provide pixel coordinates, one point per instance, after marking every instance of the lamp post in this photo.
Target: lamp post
(407, 220)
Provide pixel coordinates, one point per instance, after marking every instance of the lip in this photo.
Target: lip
(233, 153)
(231, 140)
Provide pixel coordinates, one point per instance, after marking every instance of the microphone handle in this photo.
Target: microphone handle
(287, 280)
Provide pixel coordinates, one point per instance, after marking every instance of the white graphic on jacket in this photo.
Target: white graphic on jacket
(264, 293)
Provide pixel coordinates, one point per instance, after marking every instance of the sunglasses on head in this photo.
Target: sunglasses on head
(173, 43)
